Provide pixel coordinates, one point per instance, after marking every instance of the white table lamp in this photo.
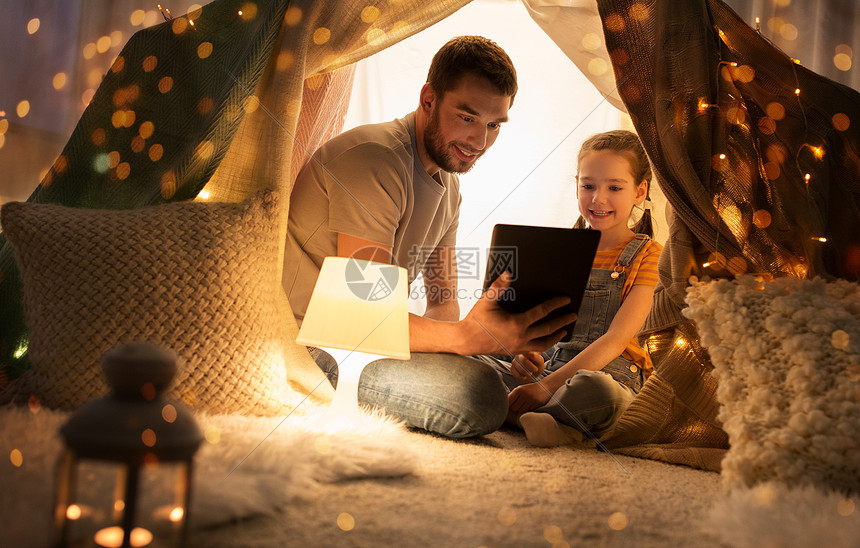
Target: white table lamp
(357, 313)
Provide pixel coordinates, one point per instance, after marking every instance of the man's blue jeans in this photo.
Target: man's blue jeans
(455, 396)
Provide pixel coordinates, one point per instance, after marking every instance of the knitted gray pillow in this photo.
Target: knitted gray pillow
(199, 278)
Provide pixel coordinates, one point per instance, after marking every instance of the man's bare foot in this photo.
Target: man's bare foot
(542, 430)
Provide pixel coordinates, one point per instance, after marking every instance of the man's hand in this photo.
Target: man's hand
(492, 330)
(528, 397)
(528, 366)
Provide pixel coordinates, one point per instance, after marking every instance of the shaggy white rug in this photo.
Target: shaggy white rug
(495, 491)
(247, 466)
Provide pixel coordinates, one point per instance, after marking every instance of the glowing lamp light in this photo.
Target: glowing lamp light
(358, 313)
(126, 439)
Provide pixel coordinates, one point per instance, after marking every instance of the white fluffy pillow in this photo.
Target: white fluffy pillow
(786, 355)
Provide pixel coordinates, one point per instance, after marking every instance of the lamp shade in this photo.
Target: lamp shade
(359, 306)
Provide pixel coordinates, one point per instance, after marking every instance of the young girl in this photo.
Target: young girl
(584, 385)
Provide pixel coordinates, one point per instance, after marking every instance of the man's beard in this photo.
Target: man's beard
(440, 152)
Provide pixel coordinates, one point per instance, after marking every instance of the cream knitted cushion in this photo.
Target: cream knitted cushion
(199, 278)
(786, 355)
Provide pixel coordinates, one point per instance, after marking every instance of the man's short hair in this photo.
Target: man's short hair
(472, 55)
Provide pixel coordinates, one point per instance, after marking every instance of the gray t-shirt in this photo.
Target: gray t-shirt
(369, 183)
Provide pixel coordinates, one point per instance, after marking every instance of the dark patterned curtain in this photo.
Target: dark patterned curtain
(759, 158)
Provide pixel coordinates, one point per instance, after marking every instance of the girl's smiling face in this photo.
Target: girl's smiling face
(606, 191)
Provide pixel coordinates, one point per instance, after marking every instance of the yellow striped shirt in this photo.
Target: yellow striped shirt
(642, 270)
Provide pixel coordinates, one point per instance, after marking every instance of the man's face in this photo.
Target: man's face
(464, 123)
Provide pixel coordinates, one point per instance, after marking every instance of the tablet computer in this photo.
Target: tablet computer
(544, 262)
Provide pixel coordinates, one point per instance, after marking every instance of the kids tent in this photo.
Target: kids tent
(757, 155)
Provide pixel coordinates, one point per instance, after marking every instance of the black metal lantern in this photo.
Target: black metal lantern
(144, 446)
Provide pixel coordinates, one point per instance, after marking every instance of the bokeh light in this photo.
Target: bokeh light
(776, 152)
(204, 105)
(285, 60)
(59, 80)
(179, 25)
(168, 413)
(33, 25)
(345, 521)
(617, 521)
(204, 50)
(772, 170)
(148, 437)
(767, 125)
(118, 64)
(598, 66)
(375, 37)
(639, 11)
(369, 14)
(841, 121)
(150, 63)
(842, 62)
(16, 458)
(507, 516)
(168, 189)
(762, 218)
(73, 512)
(156, 151)
(146, 129)
(248, 11)
(137, 17)
(113, 159)
(591, 41)
(89, 50)
(103, 44)
(321, 36)
(614, 23)
(553, 533)
(87, 96)
(788, 31)
(165, 84)
(98, 136)
(840, 339)
(101, 162)
(293, 16)
(94, 77)
(204, 150)
(22, 109)
(845, 507)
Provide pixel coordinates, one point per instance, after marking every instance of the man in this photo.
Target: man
(389, 193)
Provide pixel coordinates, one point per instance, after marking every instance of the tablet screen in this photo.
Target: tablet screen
(544, 262)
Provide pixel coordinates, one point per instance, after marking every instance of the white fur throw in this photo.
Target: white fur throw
(248, 466)
(786, 355)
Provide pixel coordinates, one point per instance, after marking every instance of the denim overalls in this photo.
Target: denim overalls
(599, 305)
(590, 401)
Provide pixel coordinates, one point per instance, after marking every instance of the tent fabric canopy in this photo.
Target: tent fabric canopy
(240, 100)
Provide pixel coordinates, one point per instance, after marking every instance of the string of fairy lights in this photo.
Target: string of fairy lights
(770, 169)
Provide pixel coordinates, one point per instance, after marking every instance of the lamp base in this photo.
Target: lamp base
(343, 413)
